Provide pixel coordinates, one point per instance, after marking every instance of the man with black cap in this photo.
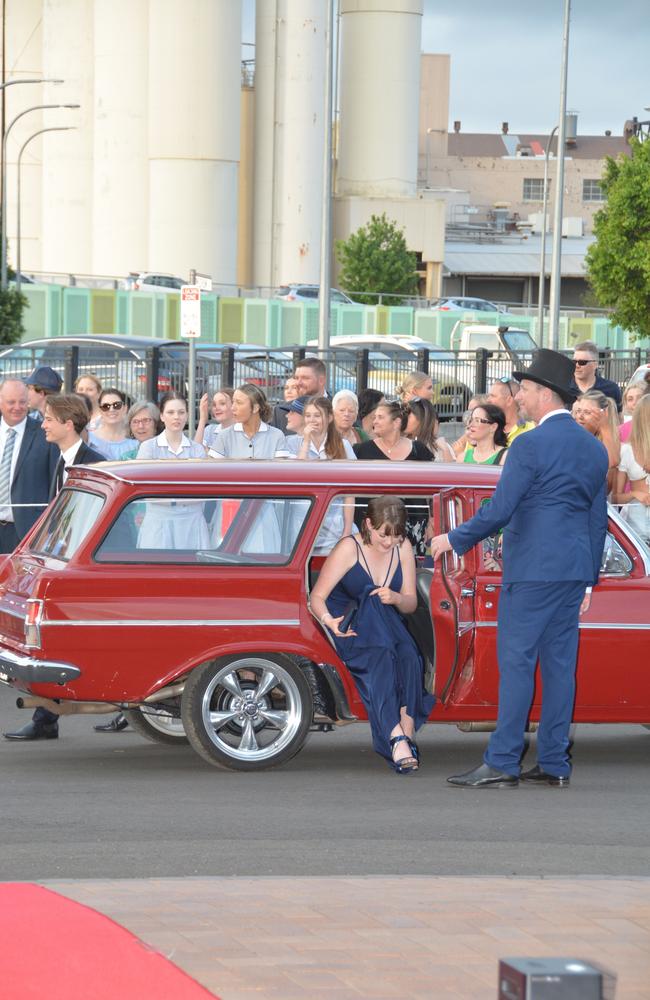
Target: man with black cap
(551, 504)
(43, 382)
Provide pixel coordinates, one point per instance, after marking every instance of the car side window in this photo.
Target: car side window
(615, 561)
(206, 530)
(454, 517)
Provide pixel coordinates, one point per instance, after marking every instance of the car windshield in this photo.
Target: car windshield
(71, 517)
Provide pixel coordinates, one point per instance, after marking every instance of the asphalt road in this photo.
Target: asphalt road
(116, 806)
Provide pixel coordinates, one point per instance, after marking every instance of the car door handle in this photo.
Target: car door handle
(467, 592)
(491, 587)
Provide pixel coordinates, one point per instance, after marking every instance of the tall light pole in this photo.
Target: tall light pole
(541, 292)
(36, 107)
(55, 128)
(326, 215)
(556, 259)
(12, 83)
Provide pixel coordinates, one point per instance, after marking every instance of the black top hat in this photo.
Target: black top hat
(553, 370)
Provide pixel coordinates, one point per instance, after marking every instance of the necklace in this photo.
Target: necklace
(384, 446)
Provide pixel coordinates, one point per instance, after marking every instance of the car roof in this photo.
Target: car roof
(286, 473)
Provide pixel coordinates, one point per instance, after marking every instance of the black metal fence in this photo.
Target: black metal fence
(149, 372)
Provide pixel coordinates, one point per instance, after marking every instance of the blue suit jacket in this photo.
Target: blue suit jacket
(32, 476)
(551, 501)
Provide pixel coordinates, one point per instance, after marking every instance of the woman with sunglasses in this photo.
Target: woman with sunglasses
(462, 444)
(488, 443)
(110, 439)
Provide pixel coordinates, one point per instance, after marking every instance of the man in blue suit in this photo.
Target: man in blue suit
(551, 504)
(27, 464)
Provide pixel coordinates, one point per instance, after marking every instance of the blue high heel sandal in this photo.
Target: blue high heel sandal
(408, 764)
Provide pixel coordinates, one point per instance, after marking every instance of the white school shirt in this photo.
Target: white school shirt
(267, 442)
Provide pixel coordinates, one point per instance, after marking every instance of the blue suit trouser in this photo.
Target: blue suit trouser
(537, 621)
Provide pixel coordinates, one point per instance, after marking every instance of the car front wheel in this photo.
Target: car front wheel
(247, 712)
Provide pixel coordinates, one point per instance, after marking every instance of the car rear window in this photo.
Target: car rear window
(71, 517)
(232, 530)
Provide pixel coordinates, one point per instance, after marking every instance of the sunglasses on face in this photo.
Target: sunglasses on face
(111, 406)
(584, 361)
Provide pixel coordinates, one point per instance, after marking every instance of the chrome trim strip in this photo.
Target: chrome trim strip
(175, 623)
(617, 626)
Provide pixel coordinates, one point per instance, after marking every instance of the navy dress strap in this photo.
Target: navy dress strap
(390, 564)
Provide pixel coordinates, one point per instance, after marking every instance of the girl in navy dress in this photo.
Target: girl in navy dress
(378, 573)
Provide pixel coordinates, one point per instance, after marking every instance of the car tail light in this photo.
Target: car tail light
(443, 308)
(290, 298)
(33, 618)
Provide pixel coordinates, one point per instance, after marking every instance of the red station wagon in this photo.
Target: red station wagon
(208, 638)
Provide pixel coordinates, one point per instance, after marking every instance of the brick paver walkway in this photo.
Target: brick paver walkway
(385, 938)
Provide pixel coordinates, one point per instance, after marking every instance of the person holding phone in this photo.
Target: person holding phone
(364, 588)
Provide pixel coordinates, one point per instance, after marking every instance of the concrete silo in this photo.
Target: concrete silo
(193, 119)
(289, 138)
(379, 106)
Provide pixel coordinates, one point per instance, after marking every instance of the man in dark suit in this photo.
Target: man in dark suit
(27, 464)
(551, 504)
(64, 420)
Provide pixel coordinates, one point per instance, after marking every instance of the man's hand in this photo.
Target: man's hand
(586, 603)
(439, 544)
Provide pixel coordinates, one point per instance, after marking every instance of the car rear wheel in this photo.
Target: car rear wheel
(158, 725)
(247, 712)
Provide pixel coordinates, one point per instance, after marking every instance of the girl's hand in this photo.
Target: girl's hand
(203, 406)
(386, 595)
(333, 625)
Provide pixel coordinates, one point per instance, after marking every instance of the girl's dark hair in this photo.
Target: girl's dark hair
(396, 411)
(334, 447)
(171, 397)
(369, 399)
(257, 397)
(112, 392)
(427, 417)
(496, 416)
(385, 511)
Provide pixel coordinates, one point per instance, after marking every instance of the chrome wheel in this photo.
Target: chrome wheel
(247, 712)
(158, 725)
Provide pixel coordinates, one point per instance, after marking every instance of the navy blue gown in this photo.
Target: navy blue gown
(382, 657)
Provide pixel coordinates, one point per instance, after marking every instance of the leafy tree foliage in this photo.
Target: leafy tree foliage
(12, 304)
(377, 259)
(618, 263)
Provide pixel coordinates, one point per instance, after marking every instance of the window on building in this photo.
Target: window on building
(592, 191)
(534, 188)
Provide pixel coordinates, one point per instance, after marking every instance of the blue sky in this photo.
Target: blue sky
(505, 60)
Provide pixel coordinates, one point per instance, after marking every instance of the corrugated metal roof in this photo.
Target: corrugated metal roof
(519, 258)
(588, 147)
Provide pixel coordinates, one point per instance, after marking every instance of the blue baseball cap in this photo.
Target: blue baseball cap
(298, 405)
(45, 378)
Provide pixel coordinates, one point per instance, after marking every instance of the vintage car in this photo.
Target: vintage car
(208, 638)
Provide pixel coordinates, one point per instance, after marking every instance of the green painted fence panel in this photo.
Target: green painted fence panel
(102, 311)
(231, 321)
(351, 320)
(209, 308)
(256, 322)
(141, 314)
(76, 311)
(291, 324)
(35, 316)
(122, 312)
(400, 320)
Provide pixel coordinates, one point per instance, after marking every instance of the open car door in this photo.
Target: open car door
(452, 598)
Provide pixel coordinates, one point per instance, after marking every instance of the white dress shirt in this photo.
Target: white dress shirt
(6, 513)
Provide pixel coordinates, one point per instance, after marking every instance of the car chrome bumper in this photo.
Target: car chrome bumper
(14, 667)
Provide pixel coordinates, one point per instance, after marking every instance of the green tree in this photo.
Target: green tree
(618, 263)
(377, 259)
(12, 304)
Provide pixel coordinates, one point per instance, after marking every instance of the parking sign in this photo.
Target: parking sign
(190, 312)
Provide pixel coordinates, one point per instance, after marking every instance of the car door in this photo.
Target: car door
(452, 605)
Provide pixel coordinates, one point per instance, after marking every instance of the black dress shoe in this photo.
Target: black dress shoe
(484, 776)
(539, 777)
(34, 731)
(116, 725)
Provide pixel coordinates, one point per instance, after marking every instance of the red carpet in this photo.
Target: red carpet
(55, 948)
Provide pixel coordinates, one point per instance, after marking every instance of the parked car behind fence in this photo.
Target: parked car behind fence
(145, 368)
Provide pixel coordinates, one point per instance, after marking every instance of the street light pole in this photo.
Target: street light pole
(326, 215)
(11, 83)
(541, 292)
(55, 128)
(556, 259)
(36, 107)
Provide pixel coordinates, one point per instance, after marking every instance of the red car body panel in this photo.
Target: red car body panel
(134, 628)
